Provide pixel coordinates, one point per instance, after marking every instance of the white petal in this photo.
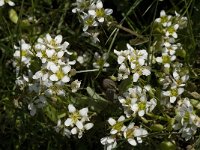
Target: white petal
(136, 77)
(166, 93)
(167, 65)
(11, 3)
(141, 113)
(159, 59)
(48, 37)
(66, 69)
(132, 142)
(172, 99)
(50, 53)
(92, 12)
(71, 108)
(113, 131)
(79, 124)
(146, 72)
(108, 11)
(99, 4)
(88, 126)
(83, 112)
(120, 59)
(141, 61)
(101, 19)
(129, 47)
(54, 68)
(121, 118)
(58, 39)
(65, 79)
(133, 66)
(60, 54)
(2, 2)
(140, 132)
(162, 13)
(111, 121)
(53, 77)
(180, 91)
(139, 139)
(74, 130)
(68, 122)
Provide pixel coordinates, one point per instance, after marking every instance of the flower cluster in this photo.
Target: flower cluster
(132, 61)
(174, 87)
(77, 123)
(174, 78)
(92, 14)
(49, 67)
(135, 101)
(2, 2)
(168, 26)
(187, 121)
(100, 62)
(133, 134)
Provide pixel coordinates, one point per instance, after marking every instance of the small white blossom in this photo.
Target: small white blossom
(78, 120)
(117, 126)
(187, 121)
(135, 101)
(166, 59)
(173, 93)
(100, 61)
(134, 134)
(109, 142)
(164, 19)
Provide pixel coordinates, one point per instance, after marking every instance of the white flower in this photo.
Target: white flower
(180, 80)
(24, 53)
(117, 126)
(136, 60)
(164, 19)
(99, 12)
(89, 21)
(100, 61)
(122, 55)
(134, 135)
(171, 31)
(173, 93)
(109, 142)
(187, 121)
(166, 59)
(77, 120)
(123, 73)
(135, 101)
(75, 85)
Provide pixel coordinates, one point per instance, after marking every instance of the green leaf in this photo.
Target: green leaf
(94, 95)
(195, 103)
(13, 16)
(51, 113)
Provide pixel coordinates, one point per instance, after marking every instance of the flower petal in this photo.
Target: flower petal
(111, 121)
(71, 108)
(68, 122)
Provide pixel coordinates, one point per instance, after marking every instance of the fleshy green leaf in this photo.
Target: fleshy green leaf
(13, 16)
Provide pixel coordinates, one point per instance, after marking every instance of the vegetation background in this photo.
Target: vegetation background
(19, 130)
